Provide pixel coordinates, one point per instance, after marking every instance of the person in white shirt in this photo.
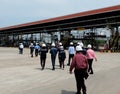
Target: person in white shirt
(71, 51)
(21, 46)
(31, 49)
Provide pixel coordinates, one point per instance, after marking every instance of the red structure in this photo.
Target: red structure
(103, 17)
(92, 17)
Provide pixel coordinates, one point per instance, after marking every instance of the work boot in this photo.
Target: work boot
(68, 64)
(77, 93)
(91, 73)
(84, 92)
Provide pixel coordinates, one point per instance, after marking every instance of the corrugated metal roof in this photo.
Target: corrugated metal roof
(81, 14)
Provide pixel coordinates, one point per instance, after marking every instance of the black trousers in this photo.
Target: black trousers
(80, 81)
(62, 63)
(36, 52)
(20, 51)
(31, 52)
(90, 69)
(59, 60)
(53, 58)
(42, 62)
(70, 57)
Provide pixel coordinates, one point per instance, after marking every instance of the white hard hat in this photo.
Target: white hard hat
(53, 44)
(78, 43)
(60, 43)
(61, 47)
(89, 46)
(31, 43)
(43, 45)
(71, 43)
(81, 44)
(79, 48)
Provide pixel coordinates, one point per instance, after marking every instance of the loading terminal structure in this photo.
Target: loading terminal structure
(100, 18)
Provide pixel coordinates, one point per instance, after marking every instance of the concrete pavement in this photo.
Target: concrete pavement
(21, 74)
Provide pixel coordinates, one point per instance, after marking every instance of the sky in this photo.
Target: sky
(15, 12)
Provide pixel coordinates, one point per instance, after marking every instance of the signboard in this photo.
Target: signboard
(81, 28)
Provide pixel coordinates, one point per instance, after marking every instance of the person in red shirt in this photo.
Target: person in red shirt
(80, 66)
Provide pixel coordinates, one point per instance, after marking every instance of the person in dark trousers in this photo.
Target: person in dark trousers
(59, 48)
(53, 52)
(90, 56)
(71, 51)
(62, 56)
(37, 48)
(80, 66)
(21, 47)
(31, 49)
(43, 53)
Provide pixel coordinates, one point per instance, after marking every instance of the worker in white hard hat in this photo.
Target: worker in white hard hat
(37, 48)
(31, 49)
(78, 43)
(60, 43)
(71, 52)
(80, 65)
(53, 52)
(59, 49)
(90, 56)
(21, 47)
(82, 45)
(62, 57)
(43, 54)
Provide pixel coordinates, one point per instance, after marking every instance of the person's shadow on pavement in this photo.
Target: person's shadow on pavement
(67, 92)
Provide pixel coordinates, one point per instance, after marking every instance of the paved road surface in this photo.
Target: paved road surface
(21, 74)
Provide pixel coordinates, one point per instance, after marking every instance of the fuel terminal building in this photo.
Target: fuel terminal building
(87, 24)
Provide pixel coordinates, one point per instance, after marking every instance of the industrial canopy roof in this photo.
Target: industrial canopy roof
(103, 17)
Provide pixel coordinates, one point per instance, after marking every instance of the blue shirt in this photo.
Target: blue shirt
(37, 47)
(53, 51)
(71, 50)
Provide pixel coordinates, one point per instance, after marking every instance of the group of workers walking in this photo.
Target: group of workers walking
(36, 47)
(80, 59)
(43, 50)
